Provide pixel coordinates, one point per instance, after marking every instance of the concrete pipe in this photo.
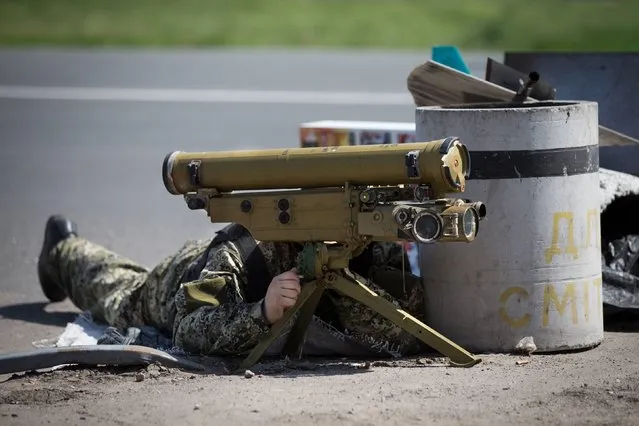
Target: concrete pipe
(535, 268)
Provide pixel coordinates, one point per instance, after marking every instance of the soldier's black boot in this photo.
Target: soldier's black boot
(58, 228)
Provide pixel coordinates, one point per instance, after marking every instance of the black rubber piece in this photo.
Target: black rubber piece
(92, 355)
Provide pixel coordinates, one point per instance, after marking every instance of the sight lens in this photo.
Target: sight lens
(427, 227)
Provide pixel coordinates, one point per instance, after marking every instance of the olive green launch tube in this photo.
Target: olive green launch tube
(443, 164)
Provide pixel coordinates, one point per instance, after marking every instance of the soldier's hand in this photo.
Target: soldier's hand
(281, 295)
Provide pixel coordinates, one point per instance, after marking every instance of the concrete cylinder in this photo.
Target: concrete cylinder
(535, 268)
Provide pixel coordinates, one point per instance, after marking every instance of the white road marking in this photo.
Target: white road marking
(205, 95)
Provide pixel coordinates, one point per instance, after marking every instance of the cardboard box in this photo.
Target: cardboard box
(340, 133)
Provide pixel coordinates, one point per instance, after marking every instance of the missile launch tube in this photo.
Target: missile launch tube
(444, 164)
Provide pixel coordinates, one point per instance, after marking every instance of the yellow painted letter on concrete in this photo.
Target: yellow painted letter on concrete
(587, 300)
(597, 283)
(592, 229)
(550, 296)
(570, 247)
(513, 322)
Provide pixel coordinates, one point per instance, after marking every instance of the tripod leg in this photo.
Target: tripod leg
(358, 291)
(276, 330)
(296, 336)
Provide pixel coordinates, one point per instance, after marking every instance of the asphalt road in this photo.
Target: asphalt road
(97, 158)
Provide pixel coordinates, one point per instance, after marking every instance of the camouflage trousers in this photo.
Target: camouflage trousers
(365, 325)
(122, 293)
(118, 290)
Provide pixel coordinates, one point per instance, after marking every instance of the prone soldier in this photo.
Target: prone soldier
(205, 300)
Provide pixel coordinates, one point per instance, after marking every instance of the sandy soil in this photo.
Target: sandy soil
(598, 386)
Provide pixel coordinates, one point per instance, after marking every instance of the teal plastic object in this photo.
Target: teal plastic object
(451, 57)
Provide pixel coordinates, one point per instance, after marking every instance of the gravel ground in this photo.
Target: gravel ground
(597, 386)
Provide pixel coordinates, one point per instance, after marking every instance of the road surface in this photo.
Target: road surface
(84, 134)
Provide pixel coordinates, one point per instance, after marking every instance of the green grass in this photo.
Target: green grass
(609, 25)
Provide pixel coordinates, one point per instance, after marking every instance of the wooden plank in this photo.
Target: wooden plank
(433, 84)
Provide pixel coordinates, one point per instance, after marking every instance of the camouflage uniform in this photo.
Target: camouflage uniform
(210, 315)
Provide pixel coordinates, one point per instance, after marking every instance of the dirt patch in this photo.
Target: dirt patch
(618, 394)
(594, 387)
(80, 376)
(39, 396)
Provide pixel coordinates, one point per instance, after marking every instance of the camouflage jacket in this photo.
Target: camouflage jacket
(215, 317)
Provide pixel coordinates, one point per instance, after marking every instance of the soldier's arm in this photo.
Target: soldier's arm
(212, 318)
